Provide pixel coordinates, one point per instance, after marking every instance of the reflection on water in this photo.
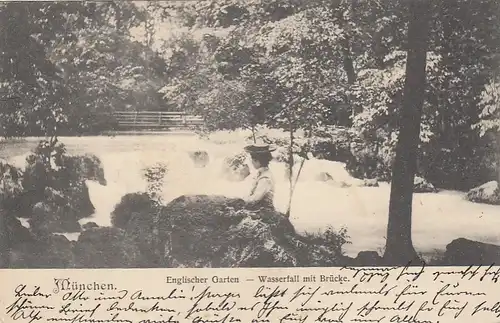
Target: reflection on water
(437, 218)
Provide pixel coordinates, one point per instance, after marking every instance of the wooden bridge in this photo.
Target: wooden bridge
(156, 121)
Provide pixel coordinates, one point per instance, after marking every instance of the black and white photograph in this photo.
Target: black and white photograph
(249, 133)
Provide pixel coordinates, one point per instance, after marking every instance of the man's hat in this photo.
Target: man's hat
(259, 148)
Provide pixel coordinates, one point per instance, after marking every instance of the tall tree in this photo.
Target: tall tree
(399, 247)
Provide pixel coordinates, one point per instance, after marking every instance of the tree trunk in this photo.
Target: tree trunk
(290, 170)
(348, 63)
(496, 140)
(399, 247)
(345, 42)
(4, 241)
(346, 45)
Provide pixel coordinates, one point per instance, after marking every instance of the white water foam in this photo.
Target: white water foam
(437, 218)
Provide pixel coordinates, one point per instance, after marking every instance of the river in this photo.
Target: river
(438, 218)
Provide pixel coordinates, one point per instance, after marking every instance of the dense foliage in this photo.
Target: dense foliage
(316, 66)
(306, 64)
(65, 66)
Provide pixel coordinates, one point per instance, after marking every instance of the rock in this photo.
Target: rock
(235, 168)
(421, 185)
(327, 178)
(68, 180)
(143, 232)
(465, 252)
(200, 158)
(12, 235)
(59, 252)
(78, 197)
(206, 231)
(81, 168)
(136, 214)
(130, 204)
(55, 214)
(49, 218)
(324, 177)
(89, 225)
(282, 155)
(488, 193)
(11, 186)
(370, 182)
(51, 251)
(368, 258)
(201, 231)
(17, 232)
(344, 184)
(106, 248)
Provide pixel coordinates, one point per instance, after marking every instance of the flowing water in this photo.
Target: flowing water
(438, 218)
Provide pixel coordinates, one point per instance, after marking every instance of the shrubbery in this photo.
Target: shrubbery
(54, 193)
(323, 249)
(155, 178)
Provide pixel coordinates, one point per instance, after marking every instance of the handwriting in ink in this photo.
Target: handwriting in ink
(20, 291)
(336, 308)
(132, 307)
(409, 290)
(174, 294)
(294, 317)
(121, 295)
(384, 290)
(442, 292)
(75, 296)
(376, 295)
(366, 274)
(263, 292)
(225, 319)
(217, 302)
(68, 308)
(309, 293)
(23, 309)
(82, 318)
(407, 272)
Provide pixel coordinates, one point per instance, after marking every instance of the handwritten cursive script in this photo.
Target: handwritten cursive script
(409, 294)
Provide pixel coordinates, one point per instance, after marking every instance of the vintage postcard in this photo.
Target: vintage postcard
(250, 161)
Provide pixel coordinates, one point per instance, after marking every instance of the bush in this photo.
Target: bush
(333, 144)
(155, 177)
(89, 123)
(49, 167)
(369, 162)
(323, 249)
(458, 168)
(10, 186)
(365, 157)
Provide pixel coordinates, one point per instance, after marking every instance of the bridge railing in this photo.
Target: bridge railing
(156, 120)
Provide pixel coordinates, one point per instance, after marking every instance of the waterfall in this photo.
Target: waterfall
(317, 203)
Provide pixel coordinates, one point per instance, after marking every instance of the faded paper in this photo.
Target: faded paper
(183, 181)
(405, 294)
